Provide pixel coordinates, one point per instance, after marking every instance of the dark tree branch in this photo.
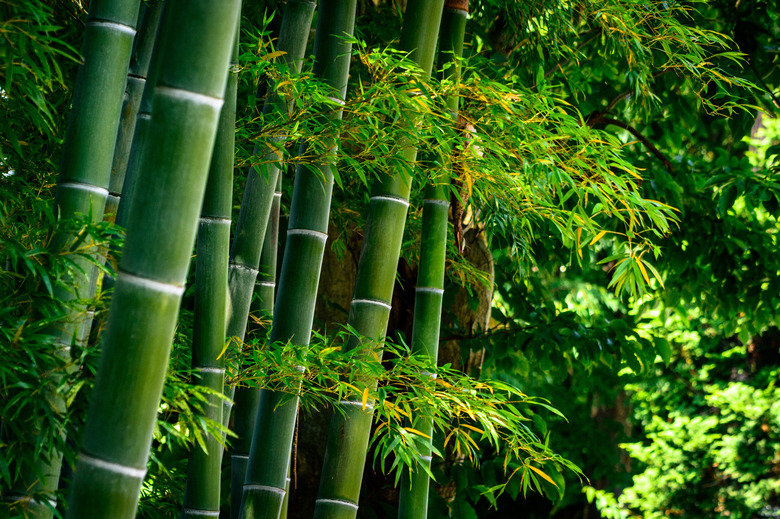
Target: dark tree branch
(488, 333)
(599, 119)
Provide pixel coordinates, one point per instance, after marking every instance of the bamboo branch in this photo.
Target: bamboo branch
(626, 93)
(633, 131)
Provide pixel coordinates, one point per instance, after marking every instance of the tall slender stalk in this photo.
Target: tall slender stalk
(413, 502)
(202, 493)
(137, 72)
(266, 476)
(148, 22)
(160, 235)
(143, 118)
(247, 397)
(81, 189)
(349, 432)
(259, 191)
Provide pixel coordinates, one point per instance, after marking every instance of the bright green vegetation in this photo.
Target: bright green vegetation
(571, 207)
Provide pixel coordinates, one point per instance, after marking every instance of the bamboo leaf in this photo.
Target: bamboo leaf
(542, 474)
(597, 238)
(418, 433)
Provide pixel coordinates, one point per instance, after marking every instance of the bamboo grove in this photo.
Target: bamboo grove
(420, 139)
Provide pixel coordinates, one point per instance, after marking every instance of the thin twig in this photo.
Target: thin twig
(633, 131)
(626, 93)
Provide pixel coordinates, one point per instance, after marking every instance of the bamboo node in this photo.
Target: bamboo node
(265, 488)
(308, 232)
(244, 267)
(110, 466)
(101, 191)
(435, 201)
(371, 302)
(203, 513)
(150, 284)
(339, 502)
(211, 369)
(112, 25)
(395, 199)
(189, 96)
(369, 407)
(431, 290)
(216, 220)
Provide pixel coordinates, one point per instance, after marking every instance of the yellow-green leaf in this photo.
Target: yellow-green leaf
(415, 431)
(545, 476)
(597, 237)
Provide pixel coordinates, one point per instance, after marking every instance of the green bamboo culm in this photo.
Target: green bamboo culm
(350, 429)
(81, 190)
(415, 484)
(260, 186)
(247, 397)
(148, 22)
(261, 197)
(161, 229)
(204, 471)
(131, 169)
(266, 476)
(120, 198)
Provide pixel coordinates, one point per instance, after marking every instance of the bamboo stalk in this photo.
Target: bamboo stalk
(142, 121)
(266, 477)
(413, 501)
(148, 22)
(247, 398)
(350, 429)
(160, 235)
(204, 471)
(136, 82)
(259, 191)
(81, 189)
